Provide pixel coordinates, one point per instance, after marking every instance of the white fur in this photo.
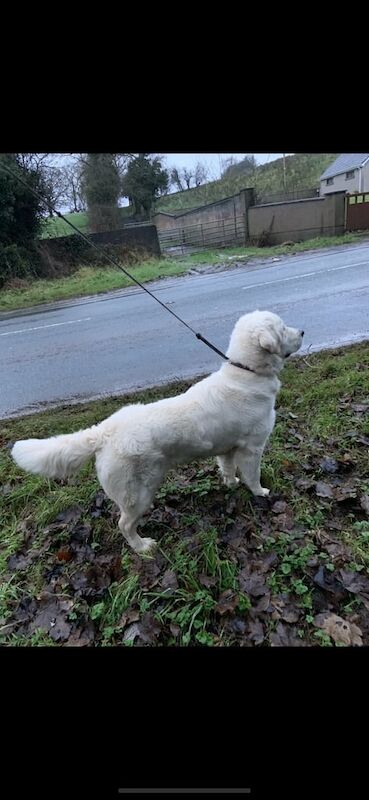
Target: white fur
(230, 415)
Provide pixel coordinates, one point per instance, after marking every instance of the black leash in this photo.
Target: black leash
(116, 264)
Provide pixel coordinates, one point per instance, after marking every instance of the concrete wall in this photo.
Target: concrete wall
(298, 220)
(144, 236)
(64, 252)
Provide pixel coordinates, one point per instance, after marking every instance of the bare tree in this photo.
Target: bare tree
(52, 182)
(176, 179)
(227, 164)
(187, 176)
(201, 173)
(72, 182)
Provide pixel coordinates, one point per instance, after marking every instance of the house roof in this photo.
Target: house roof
(344, 163)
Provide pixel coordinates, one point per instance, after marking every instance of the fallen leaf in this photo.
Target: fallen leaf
(323, 489)
(304, 483)
(340, 630)
(206, 580)
(82, 637)
(237, 625)
(51, 617)
(252, 583)
(328, 465)
(328, 582)
(132, 615)
(131, 633)
(285, 636)
(72, 514)
(149, 628)
(227, 602)
(284, 609)
(344, 493)
(279, 507)
(355, 582)
(169, 580)
(20, 561)
(256, 631)
(65, 554)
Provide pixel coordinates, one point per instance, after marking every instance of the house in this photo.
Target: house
(348, 173)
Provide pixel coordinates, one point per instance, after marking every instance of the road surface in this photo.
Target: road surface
(112, 344)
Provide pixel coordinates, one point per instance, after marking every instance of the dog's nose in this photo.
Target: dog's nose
(302, 333)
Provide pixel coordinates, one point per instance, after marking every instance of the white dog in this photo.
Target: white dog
(230, 415)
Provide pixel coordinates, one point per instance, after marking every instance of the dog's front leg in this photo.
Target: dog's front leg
(227, 467)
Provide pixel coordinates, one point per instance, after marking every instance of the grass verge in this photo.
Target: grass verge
(90, 280)
(292, 569)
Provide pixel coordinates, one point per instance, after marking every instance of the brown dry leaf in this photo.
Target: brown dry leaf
(65, 554)
(355, 582)
(206, 580)
(284, 609)
(340, 630)
(256, 631)
(132, 615)
(82, 637)
(227, 602)
(343, 493)
(285, 636)
(252, 583)
(149, 628)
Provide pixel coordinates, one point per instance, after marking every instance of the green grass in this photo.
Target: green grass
(55, 226)
(88, 280)
(192, 515)
(303, 171)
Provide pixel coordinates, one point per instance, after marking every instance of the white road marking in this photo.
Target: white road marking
(304, 275)
(41, 327)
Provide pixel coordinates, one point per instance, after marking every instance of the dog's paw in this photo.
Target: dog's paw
(231, 481)
(147, 547)
(263, 492)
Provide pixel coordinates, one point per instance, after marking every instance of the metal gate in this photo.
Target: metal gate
(192, 238)
(357, 211)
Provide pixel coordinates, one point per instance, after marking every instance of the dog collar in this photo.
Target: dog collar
(241, 366)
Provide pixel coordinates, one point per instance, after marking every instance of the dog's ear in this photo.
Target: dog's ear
(270, 341)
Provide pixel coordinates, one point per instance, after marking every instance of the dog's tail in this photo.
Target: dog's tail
(58, 456)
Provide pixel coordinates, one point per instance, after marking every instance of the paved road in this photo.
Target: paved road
(85, 349)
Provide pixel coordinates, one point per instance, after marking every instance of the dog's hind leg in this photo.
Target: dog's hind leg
(248, 460)
(227, 466)
(139, 544)
(131, 483)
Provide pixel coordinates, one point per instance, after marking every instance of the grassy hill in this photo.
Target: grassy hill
(57, 227)
(302, 170)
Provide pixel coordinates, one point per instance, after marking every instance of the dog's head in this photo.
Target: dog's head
(261, 341)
